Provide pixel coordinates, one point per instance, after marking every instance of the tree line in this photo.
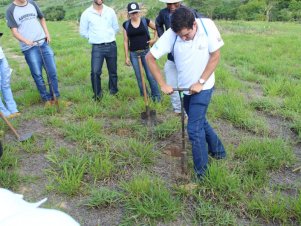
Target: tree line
(264, 10)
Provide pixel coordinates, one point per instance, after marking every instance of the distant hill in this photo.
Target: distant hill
(75, 7)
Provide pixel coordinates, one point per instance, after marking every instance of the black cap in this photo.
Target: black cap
(133, 7)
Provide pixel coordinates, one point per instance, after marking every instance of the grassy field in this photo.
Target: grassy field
(97, 162)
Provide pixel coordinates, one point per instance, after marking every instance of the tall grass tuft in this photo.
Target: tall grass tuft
(208, 213)
(101, 165)
(102, 197)
(147, 199)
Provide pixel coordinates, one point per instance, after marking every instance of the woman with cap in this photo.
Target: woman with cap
(136, 44)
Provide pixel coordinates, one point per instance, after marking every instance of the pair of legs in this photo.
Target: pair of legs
(101, 52)
(155, 93)
(10, 106)
(171, 76)
(203, 138)
(33, 57)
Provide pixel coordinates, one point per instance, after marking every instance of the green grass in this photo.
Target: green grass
(101, 152)
(103, 197)
(148, 199)
(276, 208)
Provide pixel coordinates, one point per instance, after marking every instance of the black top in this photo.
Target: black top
(138, 37)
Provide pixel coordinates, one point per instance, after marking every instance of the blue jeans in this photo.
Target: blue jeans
(11, 106)
(35, 62)
(101, 52)
(203, 138)
(155, 93)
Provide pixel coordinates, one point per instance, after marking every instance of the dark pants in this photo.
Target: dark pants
(203, 138)
(107, 51)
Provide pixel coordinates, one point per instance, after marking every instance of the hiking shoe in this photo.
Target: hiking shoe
(48, 104)
(63, 103)
(13, 115)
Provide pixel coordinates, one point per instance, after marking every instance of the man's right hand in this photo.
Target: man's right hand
(167, 89)
(29, 42)
(127, 62)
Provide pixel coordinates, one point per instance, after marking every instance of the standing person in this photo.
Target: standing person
(195, 45)
(10, 110)
(136, 38)
(28, 25)
(99, 25)
(170, 70)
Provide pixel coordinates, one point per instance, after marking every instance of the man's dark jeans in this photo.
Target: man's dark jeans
(203, 138)
(107, 51)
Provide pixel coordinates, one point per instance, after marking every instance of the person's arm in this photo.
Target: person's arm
(126, 48)
(19, 37)
(44, 26)
(209, 69)
(83, 26)
(155, 70)
(153, 27)
(159, 25)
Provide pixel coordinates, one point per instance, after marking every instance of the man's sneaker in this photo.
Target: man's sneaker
(48, 104)
(63, 103)
(13, 115)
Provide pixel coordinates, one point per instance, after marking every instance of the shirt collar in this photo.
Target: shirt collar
(92, 10)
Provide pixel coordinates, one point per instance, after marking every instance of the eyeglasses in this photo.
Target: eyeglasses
(133, 13)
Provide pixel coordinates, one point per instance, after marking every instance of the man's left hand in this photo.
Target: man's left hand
(196, 88)
(48, 39)
(151, 42)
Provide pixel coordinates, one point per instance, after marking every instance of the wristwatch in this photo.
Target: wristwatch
(202, 81)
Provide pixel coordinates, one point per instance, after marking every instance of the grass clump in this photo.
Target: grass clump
(101, 165)
(9, 176)
(133, 152)
(208, 213)
(167, 128)
(147, 200)
(260, 155)
(233, 107)
(102, 197)
(276, 208)
(221, 184)
(275, 153)
(67, 174)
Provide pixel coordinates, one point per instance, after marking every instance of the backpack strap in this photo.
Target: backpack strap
(127, 24)
(144, 22)
(204, 27)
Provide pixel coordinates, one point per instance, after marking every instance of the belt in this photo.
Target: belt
(140, 50)
(105, 43)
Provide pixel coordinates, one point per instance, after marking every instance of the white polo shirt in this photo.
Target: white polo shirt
(191, 57)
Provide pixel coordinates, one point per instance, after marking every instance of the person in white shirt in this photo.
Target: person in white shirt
(195, 45)
(99, 25)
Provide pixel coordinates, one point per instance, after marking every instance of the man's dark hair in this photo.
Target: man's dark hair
(182, 18)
